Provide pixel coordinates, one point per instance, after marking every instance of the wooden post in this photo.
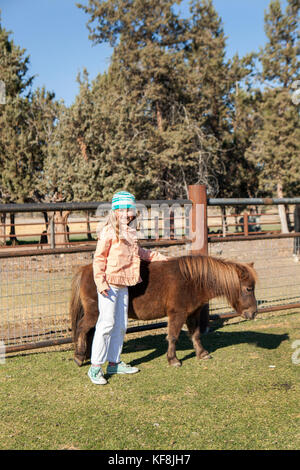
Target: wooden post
(156, 227)
(199, 234)
(172, 226)
(198, 223)
(296, 251)
(223, 210)
(52, 232)
(246, 226)
(2, 229)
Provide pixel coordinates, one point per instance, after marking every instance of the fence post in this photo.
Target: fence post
(2, 229)
(246, 226)
(296, 251)
(156, 227)
(52, 232)
(198, 225)
(172, 226)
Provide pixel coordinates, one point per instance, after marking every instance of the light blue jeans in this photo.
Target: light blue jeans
(111, 326)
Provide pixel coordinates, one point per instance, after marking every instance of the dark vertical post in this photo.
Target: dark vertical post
(296, 252)
(199, 233)
(12, 233)
(172, 226)
(156, 227)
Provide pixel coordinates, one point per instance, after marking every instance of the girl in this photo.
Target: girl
(116, 265)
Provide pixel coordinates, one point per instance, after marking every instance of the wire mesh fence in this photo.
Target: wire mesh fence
(35, 284)
(35, 290)
(277, 267)
(35, 294)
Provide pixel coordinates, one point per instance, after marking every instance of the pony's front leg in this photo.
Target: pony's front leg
(175, 323)
(193, 323)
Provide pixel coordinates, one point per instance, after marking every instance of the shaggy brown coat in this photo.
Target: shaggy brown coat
(177, 289)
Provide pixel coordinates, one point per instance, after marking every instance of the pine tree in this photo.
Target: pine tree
(15, 80)
(145, 63)
(213, 81)
(275, 146)
(15, 159)
(175, 93)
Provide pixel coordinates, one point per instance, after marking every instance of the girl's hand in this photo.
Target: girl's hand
(105, 292)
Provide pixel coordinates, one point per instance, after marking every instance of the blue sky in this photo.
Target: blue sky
(55, 36)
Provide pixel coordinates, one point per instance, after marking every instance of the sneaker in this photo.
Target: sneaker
(96, 376)
(121, 368)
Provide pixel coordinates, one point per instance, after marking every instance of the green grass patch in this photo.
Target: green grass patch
(234, 401)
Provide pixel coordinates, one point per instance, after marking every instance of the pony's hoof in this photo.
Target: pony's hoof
(207, 356)
(77, 361)
(175, 363)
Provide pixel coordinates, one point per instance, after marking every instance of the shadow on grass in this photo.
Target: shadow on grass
(212, 342)
(155, 345)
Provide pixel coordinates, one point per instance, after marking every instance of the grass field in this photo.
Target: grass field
(246, 397)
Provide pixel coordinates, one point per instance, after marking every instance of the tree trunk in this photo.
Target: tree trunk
(12, 232)
(2, 229)
(61, 230)
(88, 226)
(288, 218)
(159, 118)
(45, 214)
(224, 221)
(83, 148)
(281, 210)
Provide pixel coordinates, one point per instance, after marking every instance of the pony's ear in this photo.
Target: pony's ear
(243, 271)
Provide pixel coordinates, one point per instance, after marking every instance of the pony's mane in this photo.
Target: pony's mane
(220, 276)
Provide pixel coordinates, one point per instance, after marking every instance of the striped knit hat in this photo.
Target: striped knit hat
(123, 200)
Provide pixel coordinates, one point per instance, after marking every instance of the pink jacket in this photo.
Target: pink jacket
(118, 262)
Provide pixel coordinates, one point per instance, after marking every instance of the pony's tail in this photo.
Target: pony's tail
(75, 309)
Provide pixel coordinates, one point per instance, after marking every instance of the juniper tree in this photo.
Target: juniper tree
(275, 147)
(15, 159)
(213, 81)
(174, 93)
(15, 80)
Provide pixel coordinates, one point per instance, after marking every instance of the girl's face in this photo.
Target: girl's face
(125, 215)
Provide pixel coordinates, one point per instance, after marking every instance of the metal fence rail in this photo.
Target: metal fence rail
(77, 229)
(65, 224)
(72, 230)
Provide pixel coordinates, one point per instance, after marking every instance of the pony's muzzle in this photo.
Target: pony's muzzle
(249, 314)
